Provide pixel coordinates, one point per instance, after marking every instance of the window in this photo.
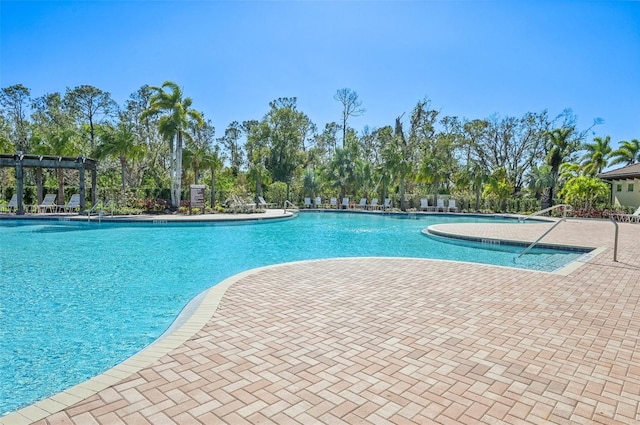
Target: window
(619, 187)
(630, 187)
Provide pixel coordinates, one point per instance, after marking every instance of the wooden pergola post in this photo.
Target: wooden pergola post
(81, 186)
(20, 183)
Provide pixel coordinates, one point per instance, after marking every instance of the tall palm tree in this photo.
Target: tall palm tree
(596, 158)
(173, 125)
(628, 153)
(560, 146)
(398, 156)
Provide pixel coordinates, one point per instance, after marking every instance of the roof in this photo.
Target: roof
(626, 172)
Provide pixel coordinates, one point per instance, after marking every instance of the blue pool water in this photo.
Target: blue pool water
(77, 298)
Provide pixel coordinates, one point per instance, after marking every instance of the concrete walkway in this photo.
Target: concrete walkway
(393, 341)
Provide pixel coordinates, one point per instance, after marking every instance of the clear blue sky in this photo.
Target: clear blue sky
(471, 58)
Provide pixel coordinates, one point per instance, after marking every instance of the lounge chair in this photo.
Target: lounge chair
(628, 218)
(374, 204)
(318, 202)
(73, 204)
(333, 203)
(48, 203)
(424, 205)
(264, 204)
(345, 203)
(387, 203)
(307, 202)
(13, 202)
(239, 203)
(440, 206)
(362, 204)
(452, 206)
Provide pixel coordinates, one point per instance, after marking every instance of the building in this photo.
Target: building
(625, 185)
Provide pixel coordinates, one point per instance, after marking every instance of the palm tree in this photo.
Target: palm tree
(474, 175)
(173, 126)
(119, 142)
(342, 170)
(58, 141)
(628, 153)
(540, 180)
(363, 176)
(310, 182)
(560, 147)
(199, 146)
(499, 187)
(597, 155)
(193, 156)
(214, 162)
(398, 157)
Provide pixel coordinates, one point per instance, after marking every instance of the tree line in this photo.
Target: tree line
(157, 143)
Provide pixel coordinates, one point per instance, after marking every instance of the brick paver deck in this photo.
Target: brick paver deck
(398, 341)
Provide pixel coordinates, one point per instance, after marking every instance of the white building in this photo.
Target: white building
(625, 185)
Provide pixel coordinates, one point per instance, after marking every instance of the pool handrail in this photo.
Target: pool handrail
(293, 206)
(565, 208)
(615, 236)
(100, 203)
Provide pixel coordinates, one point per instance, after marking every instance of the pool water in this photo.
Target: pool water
(77, 298)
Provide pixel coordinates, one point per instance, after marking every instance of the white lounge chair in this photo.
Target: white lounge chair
(440, 206)
(628, 218)
(264, 204)
(387, 203)
(362, 204)
(13, 202)
(452, 206)
(345, 203)
(374, 204)
(74, 203)
(333, 203)
(48, 203)
(237, 202)
(318, 202)
(424, 205)
(307, 202)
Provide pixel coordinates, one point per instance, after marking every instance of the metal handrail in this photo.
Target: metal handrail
(100, 203)
(615, 237)
(294, 206)
(109, 202)
(93, 208)
(534, 243)
(566, 208)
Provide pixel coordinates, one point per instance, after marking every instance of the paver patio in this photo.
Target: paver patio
(398, 341)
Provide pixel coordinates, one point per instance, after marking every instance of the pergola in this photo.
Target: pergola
(21, 161)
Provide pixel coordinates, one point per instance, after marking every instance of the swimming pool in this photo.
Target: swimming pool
(78, 298)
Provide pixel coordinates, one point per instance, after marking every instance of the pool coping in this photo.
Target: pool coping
(269, 214)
